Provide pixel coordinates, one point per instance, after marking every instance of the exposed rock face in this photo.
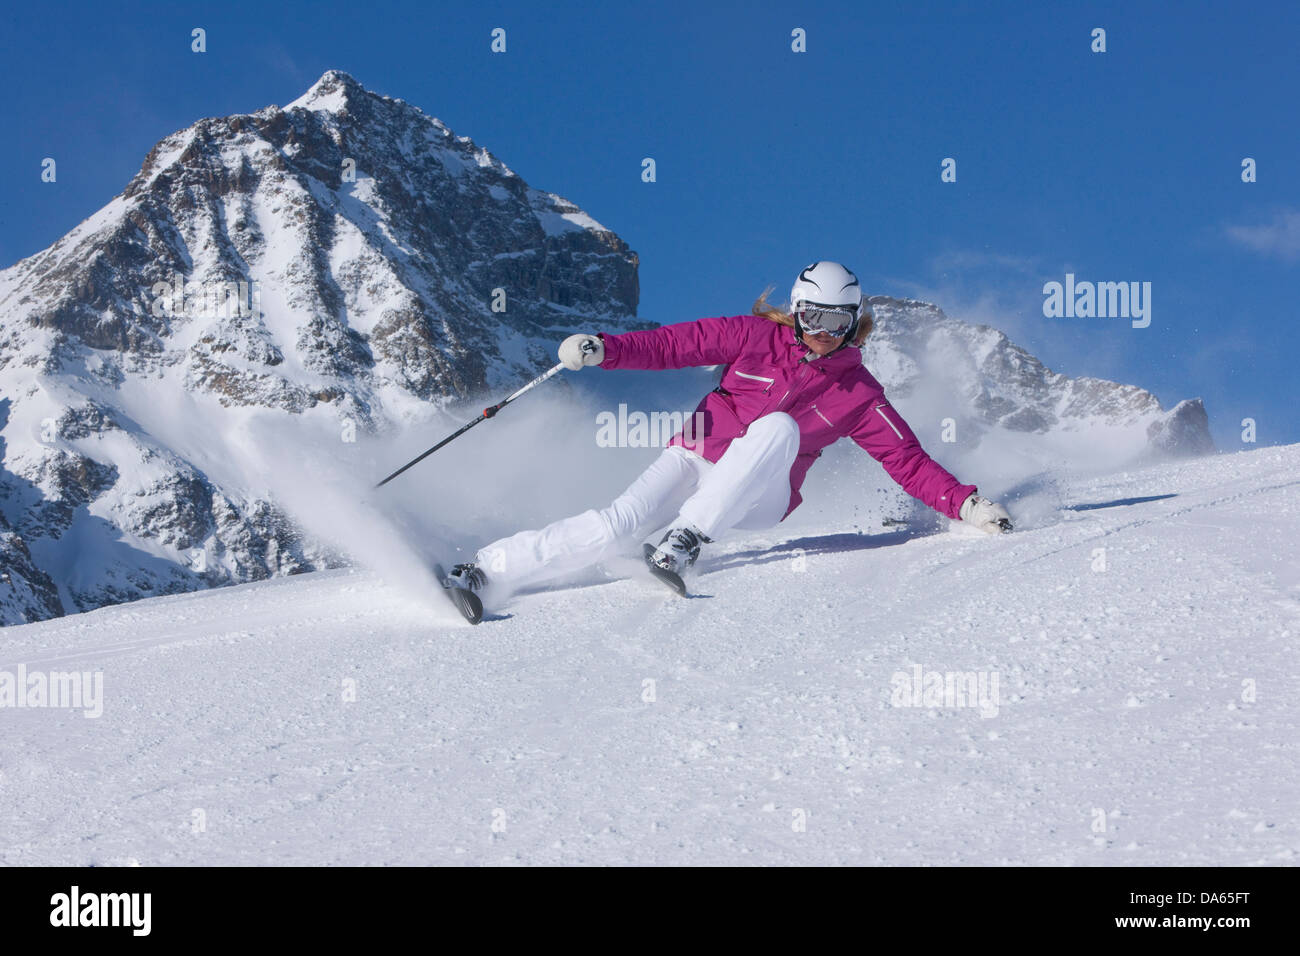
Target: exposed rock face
(26, 592)
(345, 256)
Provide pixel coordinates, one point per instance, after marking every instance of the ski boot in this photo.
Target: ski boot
(678, 551)
(464, 584)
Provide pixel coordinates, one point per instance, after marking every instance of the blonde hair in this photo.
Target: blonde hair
(781, 316)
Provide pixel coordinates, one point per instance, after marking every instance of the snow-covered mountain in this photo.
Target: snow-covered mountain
(345, 267)
(1132, 648)
(338, 260)
(998, 394)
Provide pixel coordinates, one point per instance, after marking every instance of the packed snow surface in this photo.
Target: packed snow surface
(1135, 641)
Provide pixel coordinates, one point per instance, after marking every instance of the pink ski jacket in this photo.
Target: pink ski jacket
(769, 370)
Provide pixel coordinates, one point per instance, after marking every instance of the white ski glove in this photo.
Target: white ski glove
(986, 515)
(579, 350)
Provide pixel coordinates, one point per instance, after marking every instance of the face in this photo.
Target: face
(823, 343)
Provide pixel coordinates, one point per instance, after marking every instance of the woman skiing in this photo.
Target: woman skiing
(794, 383)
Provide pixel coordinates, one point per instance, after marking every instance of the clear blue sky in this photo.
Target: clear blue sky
(1118, 166)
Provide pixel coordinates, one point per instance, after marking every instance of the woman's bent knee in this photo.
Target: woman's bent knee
(776, 423)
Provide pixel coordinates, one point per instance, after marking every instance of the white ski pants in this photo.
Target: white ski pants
(748, 487)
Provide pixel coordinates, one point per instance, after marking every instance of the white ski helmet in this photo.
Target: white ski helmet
(826, 287)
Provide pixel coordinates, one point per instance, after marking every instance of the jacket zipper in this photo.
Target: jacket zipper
(889, 423)
(759, 378)
(823, 417)
(803, 375)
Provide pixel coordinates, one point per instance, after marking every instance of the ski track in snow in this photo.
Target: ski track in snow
(1120, 698)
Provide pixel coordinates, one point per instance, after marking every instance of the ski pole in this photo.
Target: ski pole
(487, 413)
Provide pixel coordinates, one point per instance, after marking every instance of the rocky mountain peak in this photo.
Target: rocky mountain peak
(332, 93)
(346, 256)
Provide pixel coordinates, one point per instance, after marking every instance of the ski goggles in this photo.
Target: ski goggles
(833, 321)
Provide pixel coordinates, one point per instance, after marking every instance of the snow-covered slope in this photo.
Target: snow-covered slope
(1141, 629)
(342, 269)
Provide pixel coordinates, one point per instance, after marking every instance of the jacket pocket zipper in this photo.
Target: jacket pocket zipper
(758, 378)
(889, 423)
(823, 417)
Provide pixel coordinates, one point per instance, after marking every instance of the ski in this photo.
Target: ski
(669, 578)
(467, 602)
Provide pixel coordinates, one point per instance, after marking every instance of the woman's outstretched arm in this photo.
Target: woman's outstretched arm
(888, 439)
(715, 341)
